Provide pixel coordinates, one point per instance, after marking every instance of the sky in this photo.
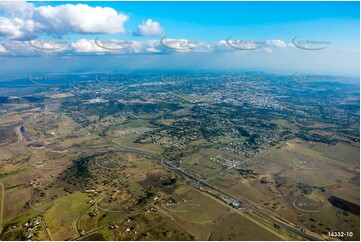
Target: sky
(277, 37)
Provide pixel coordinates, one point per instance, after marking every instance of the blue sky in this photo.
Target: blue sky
(208, 24)
(263, 20)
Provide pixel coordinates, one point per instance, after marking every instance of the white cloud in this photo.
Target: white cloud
(17, 28)
(267, 45)
(149, 28)
(175, 44)
(153, 50)
(203, 47)
(133, 47)
(276, 43)
(130, 47)
(19, 48)
(24, 21)
(146, 46)
(152, 46)
(185, 45)
(222, 46)
(82, 18)
(86, 46)
(17, 9)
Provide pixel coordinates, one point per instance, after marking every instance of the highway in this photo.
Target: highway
(206, 184)
(246, 204)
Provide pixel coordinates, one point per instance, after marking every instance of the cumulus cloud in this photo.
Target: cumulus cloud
(203, 47)
(129, 47)
(78, 47)
(146, 46)
(176, 44)
(266, 45)
(153, 50)
(24, 21)
(86, 46)
(152, 46)
(185, 45)
(222, 45)
(149, 28)
(82, 18)
(276, 43)
(19, 48)
(17, 28)
(20, 9)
